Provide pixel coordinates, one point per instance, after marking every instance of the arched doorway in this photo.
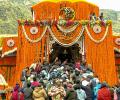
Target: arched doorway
(70, 53)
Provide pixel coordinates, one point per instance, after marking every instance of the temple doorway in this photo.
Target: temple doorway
(71, 53)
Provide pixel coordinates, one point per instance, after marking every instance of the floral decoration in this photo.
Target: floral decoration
(34, 30)
(67, 13)
(108, 22)
(117, 41)
(10, 43)
(97, 28)
(63, 22)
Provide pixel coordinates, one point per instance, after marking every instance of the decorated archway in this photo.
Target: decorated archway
(66, 22)
(71, 53)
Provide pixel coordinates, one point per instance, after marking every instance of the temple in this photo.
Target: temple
(62, 29)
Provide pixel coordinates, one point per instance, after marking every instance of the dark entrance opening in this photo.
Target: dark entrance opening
(70, 53)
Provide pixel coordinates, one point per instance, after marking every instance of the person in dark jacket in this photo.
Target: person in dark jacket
(88, 92)
(81, 95)
(28, 92)
(71, 93)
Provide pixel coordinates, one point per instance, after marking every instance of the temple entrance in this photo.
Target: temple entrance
(70, 53)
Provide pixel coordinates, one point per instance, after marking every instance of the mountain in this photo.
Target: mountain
(114, 16)
(12, 10)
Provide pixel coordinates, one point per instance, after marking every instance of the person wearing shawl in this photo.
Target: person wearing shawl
(15, 92)
(28, 92)
(57, 92)
(39, 93)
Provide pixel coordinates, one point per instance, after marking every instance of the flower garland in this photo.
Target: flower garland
(33, 41)
(47, 24)
(2, 81)
(1, 48)
(33, 15)
(8, 52)
(97, 41)
(64, 22)
(65, 31)
(116, 49)
(66, 45)
(41, 23)
(69, 13)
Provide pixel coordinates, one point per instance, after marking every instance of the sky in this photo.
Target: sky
(107, 4)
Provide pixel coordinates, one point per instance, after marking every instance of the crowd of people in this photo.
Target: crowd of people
(62, 81)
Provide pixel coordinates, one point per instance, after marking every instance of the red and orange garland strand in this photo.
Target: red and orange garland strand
(63, 29)
(62, 22)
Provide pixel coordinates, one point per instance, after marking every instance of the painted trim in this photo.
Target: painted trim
(8, 52)
(116, 49)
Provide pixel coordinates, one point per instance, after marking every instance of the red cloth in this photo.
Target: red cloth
(104, 94)
(21, 96)
(15, 95)
(77, 65)
(38, 68)
(35, 84)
